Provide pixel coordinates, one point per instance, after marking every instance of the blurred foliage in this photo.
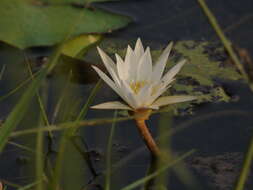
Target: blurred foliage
(26, 23)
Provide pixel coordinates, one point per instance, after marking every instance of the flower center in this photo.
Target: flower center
(136, 86)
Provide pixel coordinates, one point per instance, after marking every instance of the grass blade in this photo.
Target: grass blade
(245, 169)
(19, 110)
(224, 40)
(68, 125)
(21, 107)
(108, 157)
(29, 186)
(2, 72)
(21, 85)
(86, 106)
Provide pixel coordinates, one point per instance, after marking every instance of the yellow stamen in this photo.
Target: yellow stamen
(136, 86)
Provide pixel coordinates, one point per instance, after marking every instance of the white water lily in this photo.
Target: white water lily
(137, 81)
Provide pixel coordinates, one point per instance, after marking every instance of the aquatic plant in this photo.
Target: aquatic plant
(140, 84)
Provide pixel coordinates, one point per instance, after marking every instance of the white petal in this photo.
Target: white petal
(118, 89)
(145, 67)
(131, 98)
(144, 94)
(130, 65)
(172, 72)
(110, 65)
(107, 60)
(161, 63)
(153, 107)
(157, 94)
(129, 55)
(107, 80)
(162, 101)
(138, 50)
(126, 94)
(112, 105)
(165, 84)
(120, 67)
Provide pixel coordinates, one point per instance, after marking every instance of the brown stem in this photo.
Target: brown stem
(148, 139)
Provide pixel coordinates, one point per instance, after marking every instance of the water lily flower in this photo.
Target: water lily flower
(137, 81)
(140, 84)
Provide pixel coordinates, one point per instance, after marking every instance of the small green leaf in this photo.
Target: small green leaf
(79, 44)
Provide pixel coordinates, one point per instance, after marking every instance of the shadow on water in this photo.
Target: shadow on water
(220, 132)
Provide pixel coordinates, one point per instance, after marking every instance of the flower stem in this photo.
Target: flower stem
(148, 139)
(145, 133)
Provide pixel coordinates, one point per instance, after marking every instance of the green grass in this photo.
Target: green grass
(109, 156)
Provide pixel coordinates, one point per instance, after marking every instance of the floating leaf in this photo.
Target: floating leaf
(206, 63)
(25, 24)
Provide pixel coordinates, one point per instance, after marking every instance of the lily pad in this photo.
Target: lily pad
(26, 24)
(206, 64)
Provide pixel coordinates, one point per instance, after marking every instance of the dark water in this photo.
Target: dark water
(220, 132)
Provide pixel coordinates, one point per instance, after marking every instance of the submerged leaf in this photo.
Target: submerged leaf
(25, 24)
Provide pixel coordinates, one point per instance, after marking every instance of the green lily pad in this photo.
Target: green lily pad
(26, 24)
(206, 63)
